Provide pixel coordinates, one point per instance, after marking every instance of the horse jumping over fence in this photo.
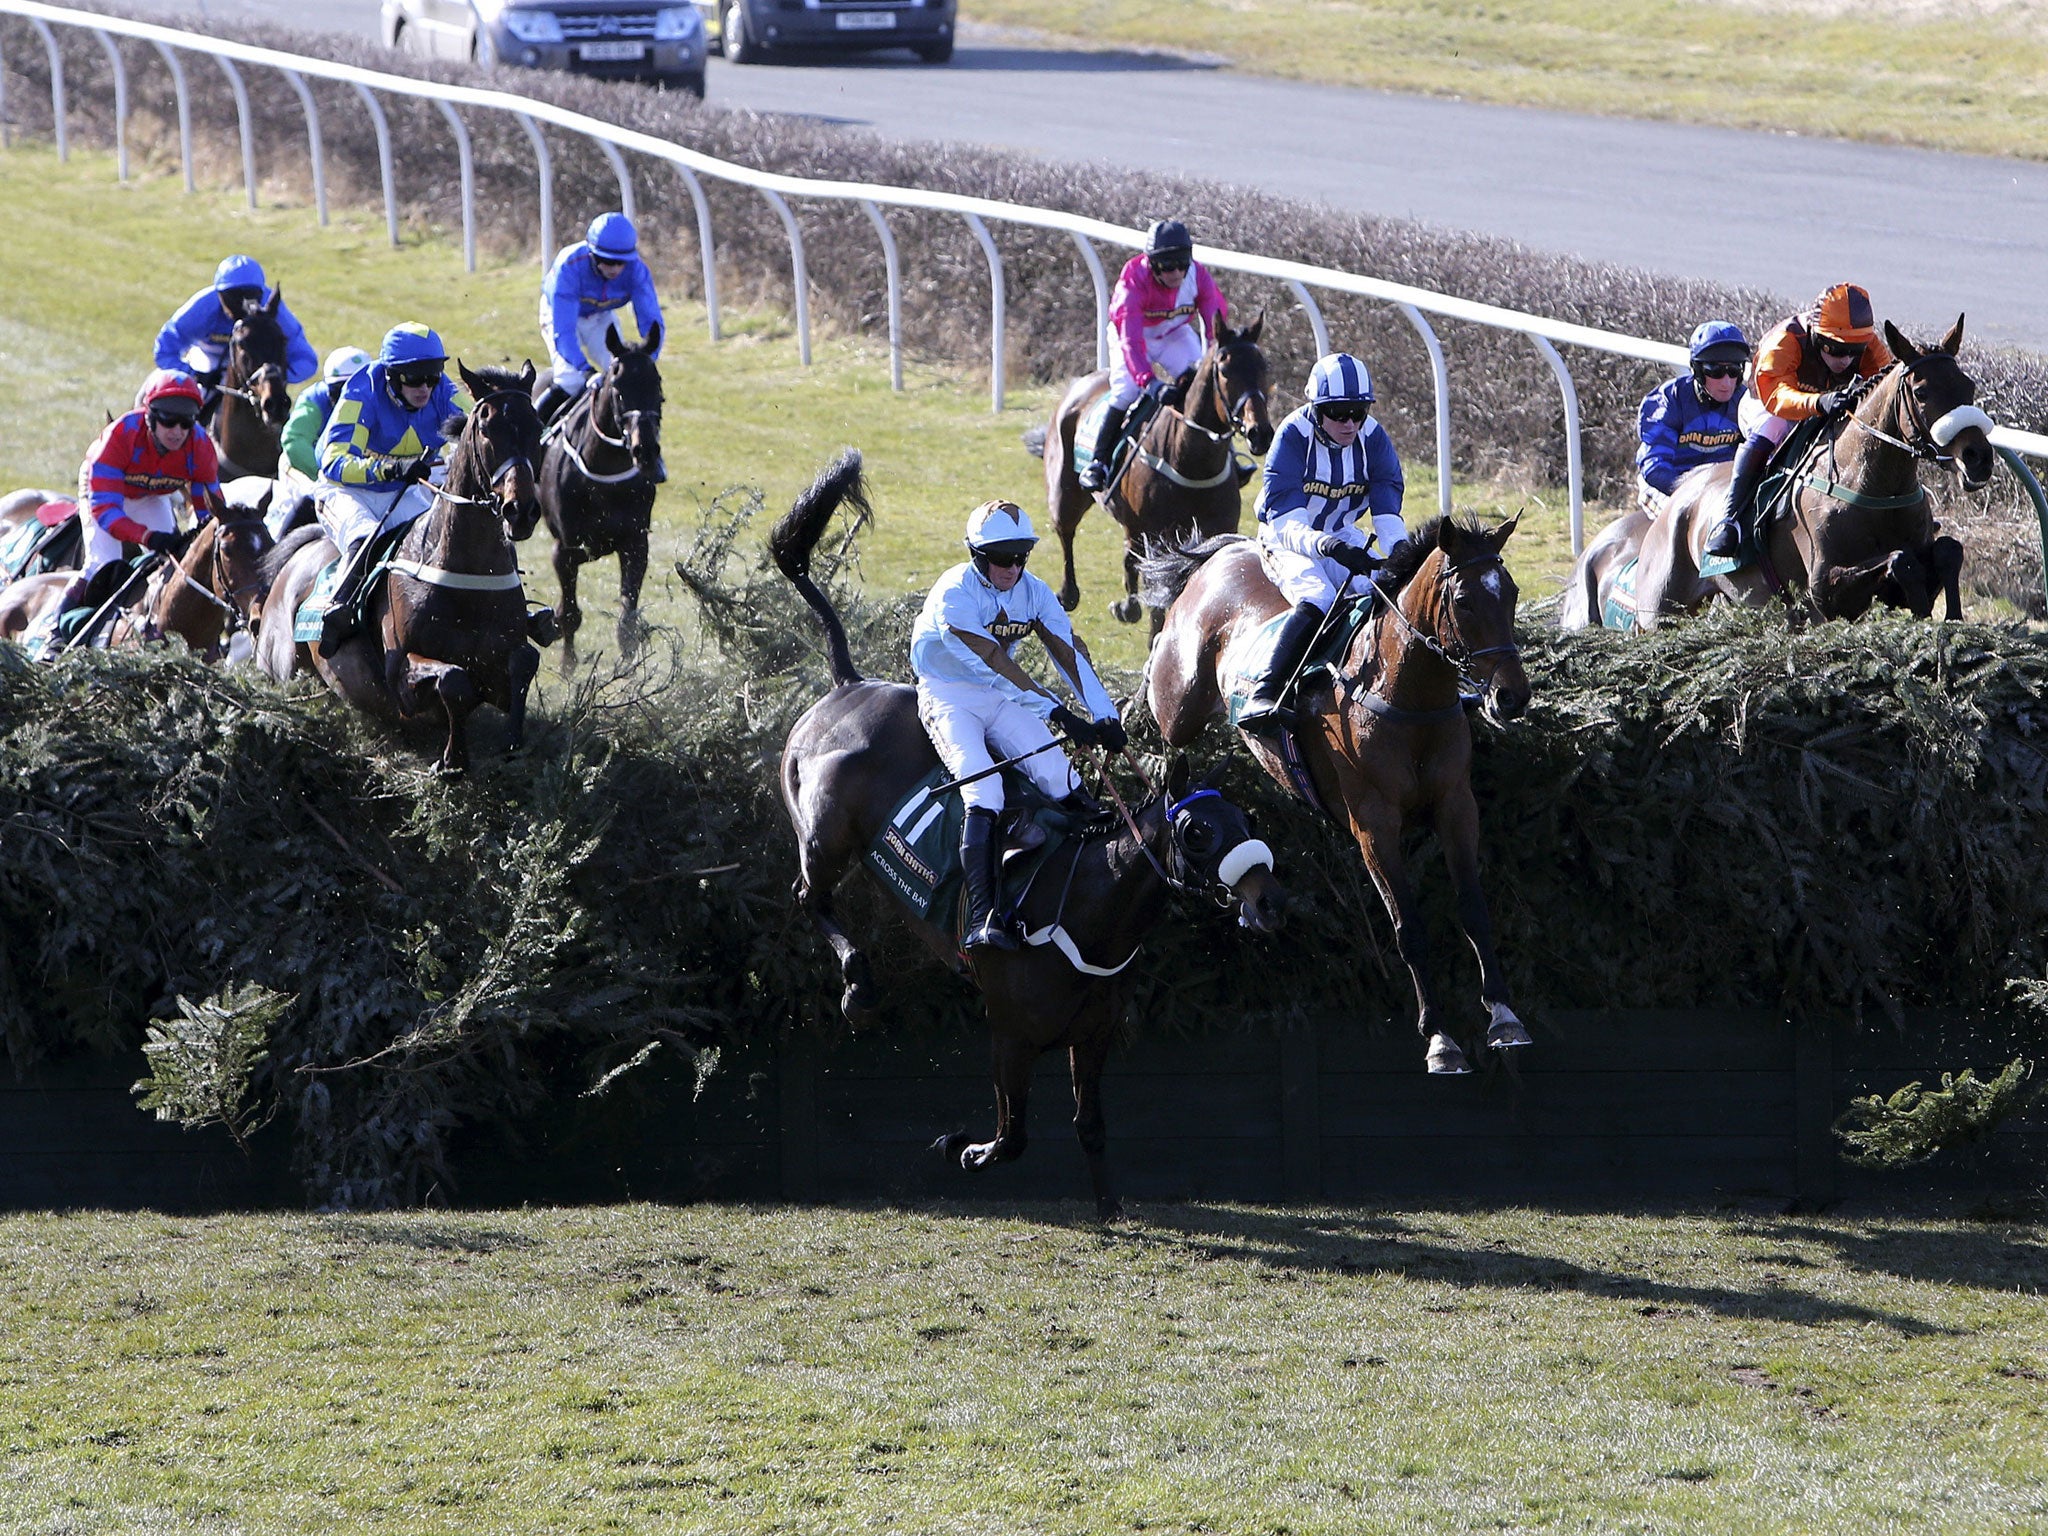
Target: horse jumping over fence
(860, 750)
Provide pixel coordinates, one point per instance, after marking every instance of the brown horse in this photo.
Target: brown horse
(1600, 577)
(255, 396)
(447, 625)
(1386, 745)
(1860, 529)
(860, 750)
(1183, 477)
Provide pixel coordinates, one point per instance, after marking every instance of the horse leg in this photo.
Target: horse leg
(1085, 1061)
(1847, 591)
(1013, 1062)
(1944, 561)
(632, 573)
(570, 618)
(1129, 608)
(1457, 828)
(455, 691)
(1064, 525)
(521, 667)
(1379, 840)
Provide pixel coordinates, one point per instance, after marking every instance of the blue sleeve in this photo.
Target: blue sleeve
(1656, 455)
(560, 290)
(646, 305)
(1286, 468)
(172, 341)
(1386, 486)
(301, 362)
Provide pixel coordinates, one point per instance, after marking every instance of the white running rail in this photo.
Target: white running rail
(1415, 304)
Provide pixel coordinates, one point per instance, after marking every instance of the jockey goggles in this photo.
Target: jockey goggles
(174, 413)
(1344, 410)
(1834, 348)
(1006, 555)
(1722, 370)
(1161, 265)
(417, 375)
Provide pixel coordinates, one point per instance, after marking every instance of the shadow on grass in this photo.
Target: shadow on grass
(1982, 1258)
(449, 1236)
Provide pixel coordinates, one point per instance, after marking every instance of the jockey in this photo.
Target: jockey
(978, 705)
(1803, 369)
(1690, 421)
(1163, 314)
(135, 467)
(298, 460)
(380, 443)
(1332, 491)
(196, 338)
(582, 294)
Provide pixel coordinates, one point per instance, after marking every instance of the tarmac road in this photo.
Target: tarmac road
(1929, 234)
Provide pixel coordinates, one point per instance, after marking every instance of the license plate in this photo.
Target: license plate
(866, 21)
(613, 53)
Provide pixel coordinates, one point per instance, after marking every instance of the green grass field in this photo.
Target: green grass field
(742, 411)
(1952, 74)
(974, 1369)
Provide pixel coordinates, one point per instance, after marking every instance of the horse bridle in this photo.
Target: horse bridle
(505, 468)
(1921, 442)
(1461, 663)
(632, 472)
(1228, 867)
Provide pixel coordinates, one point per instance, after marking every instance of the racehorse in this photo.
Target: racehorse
(1387, 743)
(597, 483)
(1597, 575)
(447, 625)
(860, 750)
(1859, 529)
(18, 509)
(1183, 475)
(255, 396)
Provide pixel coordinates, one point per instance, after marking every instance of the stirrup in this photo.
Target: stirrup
(989, 933)
(1263, 717)
(1095, 476)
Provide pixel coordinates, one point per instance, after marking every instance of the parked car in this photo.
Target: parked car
(748, 31)
(618, 39)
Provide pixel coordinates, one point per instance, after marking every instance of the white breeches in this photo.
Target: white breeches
(1755, 420)
(351, 513)
(1312, 579)
(102, 549)
(590, 337)
(1177, 351)
(972, 727)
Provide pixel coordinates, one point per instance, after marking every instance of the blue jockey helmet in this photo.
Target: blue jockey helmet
(411, 343)
(238, 272)
(612, 237)
(1717, 341)
(1168, 237)
(1339, 377)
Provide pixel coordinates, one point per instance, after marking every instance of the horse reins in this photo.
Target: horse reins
(1459, 664)
(633, 470)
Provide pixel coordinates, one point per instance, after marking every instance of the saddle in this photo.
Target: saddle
(312, 614)
(916, 857)
(1773, 492)
(49, 541)
(1140, 415)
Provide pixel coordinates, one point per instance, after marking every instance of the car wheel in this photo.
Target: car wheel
(936, 53)
(740, 47)
(692, 85)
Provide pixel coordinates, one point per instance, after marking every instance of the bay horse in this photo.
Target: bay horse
(597, 483)
(860, 750)
(447, 626)
(1388, 743)
(1860, 529)
(255, 396)
(1183, 476)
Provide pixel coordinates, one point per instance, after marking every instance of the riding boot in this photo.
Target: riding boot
(550, 404)
(338, 624)
(978, 884)
(1264, 711)
(659, 474)
(1730, 537)
(1095, 473)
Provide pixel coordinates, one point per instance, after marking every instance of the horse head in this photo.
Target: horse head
(256, 360)
(1211, 840)
(1938, 405)
(1243, 377)
(1465, 605)
(632, 386)
(241, 546)
(498, 447)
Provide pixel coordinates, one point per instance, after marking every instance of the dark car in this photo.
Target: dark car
(618, 39)
(751, 30)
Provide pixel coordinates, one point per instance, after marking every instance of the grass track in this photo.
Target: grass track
(1948, 74)
(1203, 1369)
(740, 412)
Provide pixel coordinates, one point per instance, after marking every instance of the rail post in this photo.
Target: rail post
(546, 171)
(177, 69)
(313, 146)
(1574, 474)
(997, 315)
(796, 263)
(2035, 494)
(120, 69)
(248, 132)
(704, 245)
(620, 174)
(1095, 275)
(1315, 315)
(1440, 379)
(56, 82)
(377, 121)
(895, 276)
(468, 171)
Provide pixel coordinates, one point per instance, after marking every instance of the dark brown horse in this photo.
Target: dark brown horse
(856, 754)
(1184, 477)
(1860, 529)
(1389, 744)
(597, 483)
(255, 396)
(447, 625)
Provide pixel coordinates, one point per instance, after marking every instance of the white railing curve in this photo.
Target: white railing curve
(1544, 333)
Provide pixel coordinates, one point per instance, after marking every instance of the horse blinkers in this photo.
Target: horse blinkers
(1212, 838)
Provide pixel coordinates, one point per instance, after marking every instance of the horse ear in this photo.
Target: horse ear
(276, 299)
(614, 342)
(1953, 341)
(1252, 332)
(470, 381)
(1177, 777)
(652, 344)
(527, 376)
(1902, 349)
(1499, 537)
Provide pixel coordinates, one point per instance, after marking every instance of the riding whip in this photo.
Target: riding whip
(85, 630)
(996, 767)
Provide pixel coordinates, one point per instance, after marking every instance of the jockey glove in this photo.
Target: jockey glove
(1833, 401)
(171, 542)
(412, 471)
(1083, 733)
(1355, 558)
(1110, 734)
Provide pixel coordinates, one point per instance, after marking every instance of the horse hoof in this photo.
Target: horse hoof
(950, 1146)
(856, 1002)
(1445, 1059)
(1128, 611)
(1507, 1032)
(1108, 1211)
(1070, 598)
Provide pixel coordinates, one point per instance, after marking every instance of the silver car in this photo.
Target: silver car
(617, 39)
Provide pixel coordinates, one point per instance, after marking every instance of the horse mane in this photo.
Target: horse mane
(279, 555)
(796, 534)
(1407, 558)
(1167, 565)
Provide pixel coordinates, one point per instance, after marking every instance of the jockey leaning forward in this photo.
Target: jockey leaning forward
(979, 706)
(1162, 317)
(583, 294)
(1331, 496)
(382, 441)
(1690, 421)
(195, 339)
(1804, 369)
(134, 470)
(298, 459)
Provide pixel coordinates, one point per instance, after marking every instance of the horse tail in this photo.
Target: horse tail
(1034, 441)
(1167, 566)
(796, 535)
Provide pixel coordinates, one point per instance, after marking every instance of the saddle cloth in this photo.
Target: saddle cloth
(1244, 665)
(320, 596)
(1773, 493)
(916, 857)
(48, 541)
(1090, 427)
